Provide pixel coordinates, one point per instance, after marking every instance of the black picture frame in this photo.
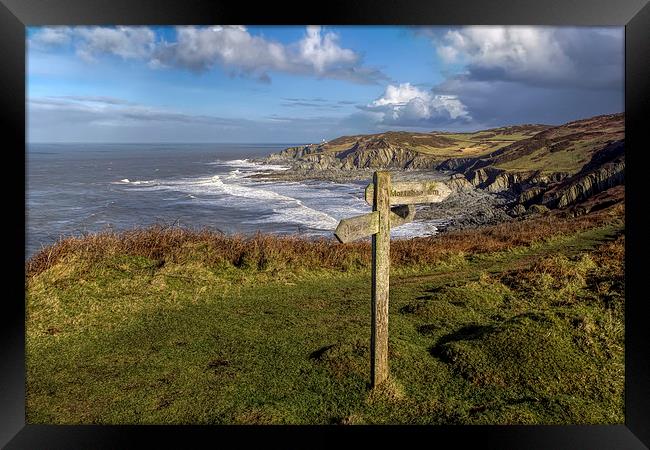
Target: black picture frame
(15, 15)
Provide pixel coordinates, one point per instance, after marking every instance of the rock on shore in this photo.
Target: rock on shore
(534, 168)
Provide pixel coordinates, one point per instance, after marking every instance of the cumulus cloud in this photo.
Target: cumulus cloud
(125, 42)
(408, 105)
(524, 74)
(51, 37)
(235, 49)
(200, 48)
(91, 42)
(551, 56)
(318, 53)
(322, 51)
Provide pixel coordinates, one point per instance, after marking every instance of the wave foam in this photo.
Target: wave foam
(273, 202)
(245, 163)
(136, 182)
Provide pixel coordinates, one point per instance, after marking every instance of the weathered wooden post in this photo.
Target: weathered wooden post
(382, 194)
(380, 280)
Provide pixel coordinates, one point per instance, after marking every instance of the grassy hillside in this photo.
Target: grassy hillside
(523, 148)
(515, 323)
(439, 144)
(566, 148)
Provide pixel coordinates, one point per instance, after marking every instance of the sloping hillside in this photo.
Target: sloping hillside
(557, 167)
(511, 324)
(565, 148)
(401, 149)
(552, 166)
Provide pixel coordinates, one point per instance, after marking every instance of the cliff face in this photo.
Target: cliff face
(605, 170)
(292, 153)
(495, 180)
(378, 154)
(386, 157)
(580, 159)
(534, 165)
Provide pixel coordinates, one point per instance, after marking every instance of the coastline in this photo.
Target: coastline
(466, 207)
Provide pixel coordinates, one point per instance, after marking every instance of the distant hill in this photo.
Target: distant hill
(402, 149)
(557, 167)
(553, 166)
(565, 148)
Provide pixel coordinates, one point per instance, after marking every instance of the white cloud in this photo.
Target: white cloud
(536, 55)
(236, 50)
(51, 37)
(323, 51)
(516, 49)
(520, 74)
(90, 42)
(126, 42)
(233, 48)
(399, 95)
(408, 105)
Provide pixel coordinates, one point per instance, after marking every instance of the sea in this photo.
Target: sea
(77, 189)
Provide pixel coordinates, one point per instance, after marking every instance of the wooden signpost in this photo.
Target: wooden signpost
(382, 195)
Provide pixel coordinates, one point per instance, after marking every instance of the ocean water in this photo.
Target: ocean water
(73, 189)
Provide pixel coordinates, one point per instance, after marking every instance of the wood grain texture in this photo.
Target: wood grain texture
(357, 227)
(412, 192)
(380, 280)
(399, 215)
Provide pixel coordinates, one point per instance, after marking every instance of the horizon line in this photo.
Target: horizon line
(160, 142)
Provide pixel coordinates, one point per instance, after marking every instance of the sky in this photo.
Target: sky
(305, 84)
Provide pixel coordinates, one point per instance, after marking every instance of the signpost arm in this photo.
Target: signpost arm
(380, 280)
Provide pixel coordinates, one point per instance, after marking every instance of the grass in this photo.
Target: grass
(268, 253)
(566, 148)
(569, 160)
(174, 326)
(442, 145)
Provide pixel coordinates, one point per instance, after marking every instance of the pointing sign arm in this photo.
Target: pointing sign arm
(399, 215)
(357, 227)
(412, 192)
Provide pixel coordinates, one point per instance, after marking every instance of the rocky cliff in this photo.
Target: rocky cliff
(534, 166)
(605, 170)
(374, 154)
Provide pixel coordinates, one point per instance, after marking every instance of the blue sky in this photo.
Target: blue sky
(293, 84)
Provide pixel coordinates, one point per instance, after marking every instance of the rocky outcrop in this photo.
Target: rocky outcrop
(538, 209)
(518, 210)
(605, 199)
(457, 164)
(530, 195)
(495, 180)
(292, 153)
(375, 154)
(605, 170)
(385, 157)
(458, 182)
(518, 171)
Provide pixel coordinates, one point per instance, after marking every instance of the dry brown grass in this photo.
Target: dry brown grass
(267, 252)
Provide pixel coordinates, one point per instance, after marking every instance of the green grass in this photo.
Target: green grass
(569, 160)
(533, 334)
(443, 145)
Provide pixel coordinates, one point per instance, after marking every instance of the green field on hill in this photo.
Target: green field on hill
(530, 332)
